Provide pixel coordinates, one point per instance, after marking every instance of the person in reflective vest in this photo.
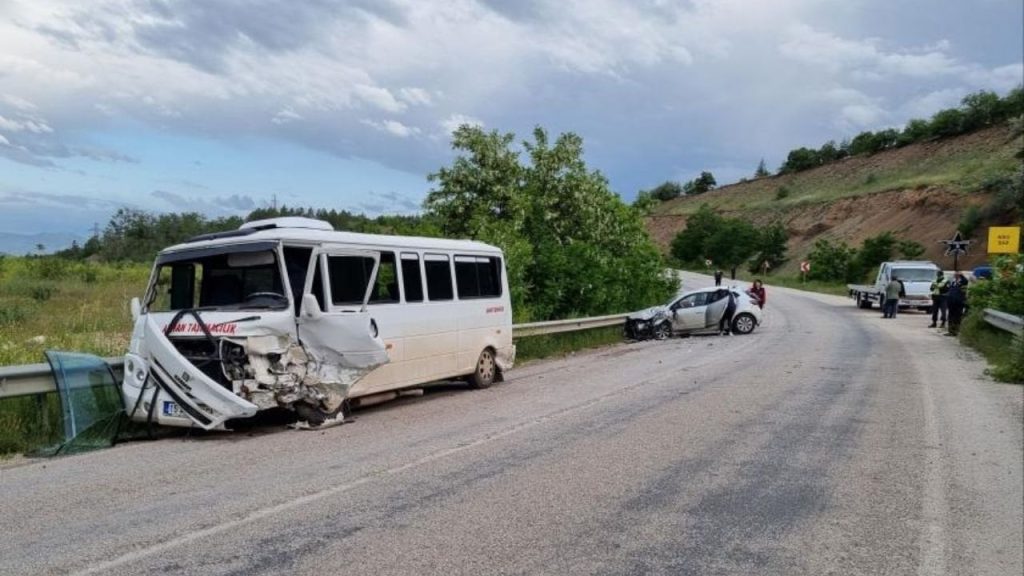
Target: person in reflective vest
(940, 287)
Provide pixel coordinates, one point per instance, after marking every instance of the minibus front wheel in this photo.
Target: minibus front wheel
(486, 368)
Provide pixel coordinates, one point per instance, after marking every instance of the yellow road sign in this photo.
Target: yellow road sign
(1003, 239)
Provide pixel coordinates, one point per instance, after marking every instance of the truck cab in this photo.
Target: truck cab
(917, 277)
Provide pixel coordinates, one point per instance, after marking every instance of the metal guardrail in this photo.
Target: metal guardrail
(571, 325)
(32, 379)
(1004, 321)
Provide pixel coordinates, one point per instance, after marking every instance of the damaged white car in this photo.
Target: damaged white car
(290, 313)
(694, 312)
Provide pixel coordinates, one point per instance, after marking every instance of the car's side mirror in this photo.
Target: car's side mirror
(136, 308)
(310, 307)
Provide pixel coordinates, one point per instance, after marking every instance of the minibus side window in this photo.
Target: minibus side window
(412, 280)
(349, 277)
(385, 289)
(478, 277)
(439, 277)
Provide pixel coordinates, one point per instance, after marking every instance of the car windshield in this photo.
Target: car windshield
(227, 278)
(914, 274)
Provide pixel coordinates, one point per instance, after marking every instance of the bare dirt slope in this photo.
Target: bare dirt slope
(919, 193)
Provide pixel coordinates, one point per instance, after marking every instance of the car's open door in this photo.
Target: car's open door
(718, 301)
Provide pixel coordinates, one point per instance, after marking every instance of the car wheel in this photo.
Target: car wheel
(744, 323)
(662, 331)
(483, 377)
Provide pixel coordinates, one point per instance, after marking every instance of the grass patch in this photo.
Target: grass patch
(547, 345)
(962, 165)
(1004, 353)
(65, 305)
(29, 422)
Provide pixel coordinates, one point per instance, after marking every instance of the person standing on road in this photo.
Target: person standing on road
(725, 324)
(892, 298)
(718, 277)
(757, 291)
(956, 301)
(939, 289)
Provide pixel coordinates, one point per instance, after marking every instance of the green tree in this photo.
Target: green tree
(688, 245)
(667, 191)
(800, 159)
(701, 184)
(735, 242)
(572, 246)
(762, 170)
(645, 202)
(916, 130)
(771, 248)
(481, 186)
(980, 110)
(947, 123)
(831, 262)
(909, 249)
(873, 251)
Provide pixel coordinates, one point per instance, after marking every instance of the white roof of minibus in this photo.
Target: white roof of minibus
(310, 236)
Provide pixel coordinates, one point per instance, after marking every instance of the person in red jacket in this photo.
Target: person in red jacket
(757, 291)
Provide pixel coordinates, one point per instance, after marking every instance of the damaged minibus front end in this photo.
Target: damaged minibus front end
(228, 330)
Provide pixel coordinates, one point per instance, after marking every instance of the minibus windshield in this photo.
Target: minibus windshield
(246, 277)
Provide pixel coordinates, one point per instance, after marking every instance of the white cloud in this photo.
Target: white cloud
(415, 96)
(33, 125)
(381, 98)
(393, 127)
(285, 116)
(451, 123)
(656, 86)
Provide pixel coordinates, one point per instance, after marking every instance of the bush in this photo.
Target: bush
(42, 292)
(832, 262)
(969, 221)
(782, 192)
(10, 315)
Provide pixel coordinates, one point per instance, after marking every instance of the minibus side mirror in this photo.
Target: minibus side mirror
(136, 308)
(310, 307)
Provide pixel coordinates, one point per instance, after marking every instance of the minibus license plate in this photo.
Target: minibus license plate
(173, 410)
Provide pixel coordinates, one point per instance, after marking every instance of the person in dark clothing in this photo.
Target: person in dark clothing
(939, 289)
(718, 277)
(757, 291)
(956, 302)
(725, 324)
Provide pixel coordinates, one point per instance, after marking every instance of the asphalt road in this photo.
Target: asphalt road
(830, 441)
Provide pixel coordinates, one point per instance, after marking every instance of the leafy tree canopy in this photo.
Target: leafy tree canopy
(573, 248)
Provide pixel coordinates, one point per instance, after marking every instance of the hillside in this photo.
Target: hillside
(918, 192)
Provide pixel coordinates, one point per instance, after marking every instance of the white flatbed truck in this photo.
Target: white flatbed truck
(916, 275)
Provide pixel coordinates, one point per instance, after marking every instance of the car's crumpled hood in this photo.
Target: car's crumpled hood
(650, 313)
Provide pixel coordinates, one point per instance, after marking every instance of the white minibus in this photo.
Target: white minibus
(288, 312)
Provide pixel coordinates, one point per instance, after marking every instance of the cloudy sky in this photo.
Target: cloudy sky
(222, 106)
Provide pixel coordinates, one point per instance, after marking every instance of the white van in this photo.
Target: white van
(289, 313)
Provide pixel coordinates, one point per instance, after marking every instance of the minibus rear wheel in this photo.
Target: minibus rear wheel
(486, 368)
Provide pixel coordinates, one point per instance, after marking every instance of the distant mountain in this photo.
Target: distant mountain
(21, 244)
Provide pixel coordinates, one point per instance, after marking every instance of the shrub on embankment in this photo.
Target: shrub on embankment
(1004, 292)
